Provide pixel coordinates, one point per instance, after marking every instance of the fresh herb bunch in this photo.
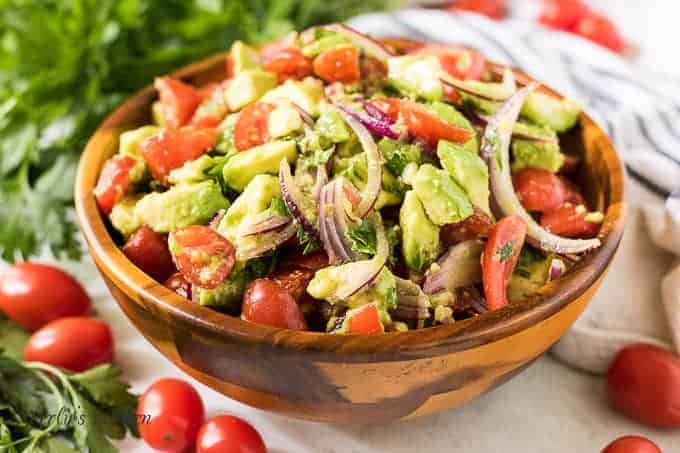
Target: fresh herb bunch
(64, 64)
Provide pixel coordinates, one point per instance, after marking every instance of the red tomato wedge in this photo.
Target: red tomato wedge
(149, 251)
(338, 65)
(428, 127)
(251, 126)
(562, 14)
(265, 302)
(170, 149)
(178, 101)
(391, 106)
(365, 320)
(202, 255)
(569, 221)
(288, 63)
(493, 9)
(539, 190)
(478, 224)
(500, 257)
(114, 182)
(600, 30)
(213, 109)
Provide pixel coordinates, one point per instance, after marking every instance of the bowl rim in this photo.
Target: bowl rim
(460, 335)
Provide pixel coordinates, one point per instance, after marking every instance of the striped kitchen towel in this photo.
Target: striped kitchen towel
(638, 108)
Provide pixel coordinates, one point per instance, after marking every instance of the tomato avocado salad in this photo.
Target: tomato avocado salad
(333, 183)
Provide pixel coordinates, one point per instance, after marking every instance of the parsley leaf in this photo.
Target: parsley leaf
(308, 242)
(363, 238)
(505, 253)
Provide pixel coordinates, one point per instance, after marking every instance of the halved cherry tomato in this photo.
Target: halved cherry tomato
(391, 106)
(600, 30)
(569, 221)
(365, 320)
(494, 9)
(632, 444)
(149, 251)
(74, 343)
(288, 63)
(294, 281)
(202, 255)
(213, 109)
(114, 182)
(478, 224)
(500, 257)
(251, 126)
(458, 62)
(178, 101)
(229, 434)
(170, 149)
(265, 302)
(179, 284)
(428, 127)
(643, 382)
(562, 14)
(312, 261)
(33, 294)
(175, 413)
(338, 65)
(270, 49)
(539, 190)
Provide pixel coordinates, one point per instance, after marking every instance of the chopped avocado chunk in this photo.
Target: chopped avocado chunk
(284, 120)
(247, 87)
(397, 154)
(449, 114)
(332, 127)
(531, 274)
(468, 170)
(180, 206)
(306, 94)
(123, 217)
(229, 293)
(244, 57)
(130, 140)
(355, 170)
(243, 167)
(192, 171)
(558, 114)
(530, 153)
(416, 75)
(328, 42)
(444, 201)
(420, 237)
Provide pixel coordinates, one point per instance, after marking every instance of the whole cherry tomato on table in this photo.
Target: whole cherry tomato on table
(229, 434)
(562, 14)
(600, 30)
(632, 444)
(494, 9)
(114, 182)
(265, 302)
(178, 101)
(74, 343)
(33, 294)
(148, 250)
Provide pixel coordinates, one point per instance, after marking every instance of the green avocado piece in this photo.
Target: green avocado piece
(468, 170)
(328, 42)
(284, 120)
(397, 154)
(247, 87)
(332, 127)
(180, 206)
(419, 236)
(244, 57)
(416, 75)
(558, 114)
(129, 140)
(355, 170)
(444, 200)
(229, 293)
(530, 153)
(123, 216)
(192, 171)
(243, 167)
(306, 94)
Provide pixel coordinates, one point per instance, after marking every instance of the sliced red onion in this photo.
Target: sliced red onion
(262, 223)
(483, 120)
(375, 112)
(217, 218)
(374, 164)
(375, 125)
(266, 243)
(331, 240)
(459, 267)
(412, 302)
(298, 204)
(370, 46)
(557, 269)
(506, 88)
(306, 117)
(321, 180)
(495, 149)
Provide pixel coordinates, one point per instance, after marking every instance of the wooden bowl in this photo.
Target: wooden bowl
(348, 378)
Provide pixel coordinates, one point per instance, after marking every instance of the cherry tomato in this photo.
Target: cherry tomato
(288, 63)
(338, 65)
(569, 220)
(391, 106)
(478, 224)
(114, 182)
(179, 284)
(600, 30)
(632, 444)
(429, 127)
(458, 62)
(251, 126)
(34, 294)
(170, 149)
(365, 320)
(178, 101)
(494, 9)
(294, 281)
(229, 434)
(213, 109)
(202, 255)
(175, 413)
(265, 302)
(75, 343)
(539, 190)
(562, 14)
(500, 257)
(272, 48)
(312, 261)
(643, 382)
(148, 250)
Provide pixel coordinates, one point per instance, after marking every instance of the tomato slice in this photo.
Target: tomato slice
(114, 182)
(570, 221)
(202, 255)
(391, 106)
(265, 302)
(600, 30)
(251, 126)
(365, 320)
(294, 281)
(213, 109)
(478, 224)
(288, 63)
(338, 65)
(170, 149)
(500, 257)
(178, 101)
(562, 14)
(428, 127)
(493, 9)
(149, 251)
(539, 190)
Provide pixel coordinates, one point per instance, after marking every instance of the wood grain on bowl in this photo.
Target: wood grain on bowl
(348, 378)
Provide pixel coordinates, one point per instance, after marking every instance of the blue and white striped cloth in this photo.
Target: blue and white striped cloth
(639, 109)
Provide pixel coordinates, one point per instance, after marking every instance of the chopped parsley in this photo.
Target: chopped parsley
(363, 238)
(308, 242)
(506, 252)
